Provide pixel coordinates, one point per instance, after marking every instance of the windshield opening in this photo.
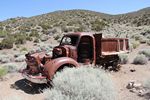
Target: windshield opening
(69, 40)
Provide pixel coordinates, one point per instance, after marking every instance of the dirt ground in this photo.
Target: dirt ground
(16, 86)
(121, 78)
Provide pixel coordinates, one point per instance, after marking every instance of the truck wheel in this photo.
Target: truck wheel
(116, 66)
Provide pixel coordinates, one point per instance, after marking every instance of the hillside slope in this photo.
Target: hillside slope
(55, 24)
(74, 20)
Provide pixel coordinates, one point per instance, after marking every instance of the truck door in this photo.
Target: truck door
(85, 50)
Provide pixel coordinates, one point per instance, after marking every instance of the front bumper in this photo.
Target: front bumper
(35, 79)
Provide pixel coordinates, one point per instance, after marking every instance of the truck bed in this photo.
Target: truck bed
(114, 46)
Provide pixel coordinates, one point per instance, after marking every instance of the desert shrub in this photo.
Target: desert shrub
(84, 83)
(80, 29)
(5, 58)
(143, 40)
(123, 58)
(148, 36)
(29, 38)
(148, 42)
(56, 37)
(66, 29)
(11, 67)
(130, 47)
(3, 71)
(45, 26)
(98, 25)
(24, 28)
(24, 49)
(34, 34)
(20, 58)
(3, 34)
(20, 38)
(44, 37)
(135, 44)
(36, 40)
(137, 37)
(147, 84)
(17, 46)
(140, 59)
(7, 43)
(145, 52)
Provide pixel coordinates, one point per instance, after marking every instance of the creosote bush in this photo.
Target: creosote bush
(140, 59)
(123, 58)
(84, 83)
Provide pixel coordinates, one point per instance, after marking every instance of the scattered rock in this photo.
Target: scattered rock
(132, 70)
(138, 88)
(134, 84)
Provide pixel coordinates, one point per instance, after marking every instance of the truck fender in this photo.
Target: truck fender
(52, 66)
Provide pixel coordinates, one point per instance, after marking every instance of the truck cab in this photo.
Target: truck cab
(78, 46)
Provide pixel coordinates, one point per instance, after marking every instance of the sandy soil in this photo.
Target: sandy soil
(121, 78)
(15, 85)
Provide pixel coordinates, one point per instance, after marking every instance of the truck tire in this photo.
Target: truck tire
(116, 66)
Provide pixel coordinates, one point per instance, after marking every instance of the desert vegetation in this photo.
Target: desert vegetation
(3, 71)
(123, 58)
(140, 59)
(83, 83)
(41, 33)
(145, 52)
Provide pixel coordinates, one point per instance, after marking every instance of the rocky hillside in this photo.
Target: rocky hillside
(54, 24)
(59, 21)
(73, 20)
(137, 18)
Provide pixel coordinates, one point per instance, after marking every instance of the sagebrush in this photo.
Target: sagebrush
(81, 84)
(140, 59)
(123, 58)
(145, 52)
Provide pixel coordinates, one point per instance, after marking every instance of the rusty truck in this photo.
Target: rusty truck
(74, 50)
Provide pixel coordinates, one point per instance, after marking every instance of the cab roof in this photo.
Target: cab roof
(80, 34)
